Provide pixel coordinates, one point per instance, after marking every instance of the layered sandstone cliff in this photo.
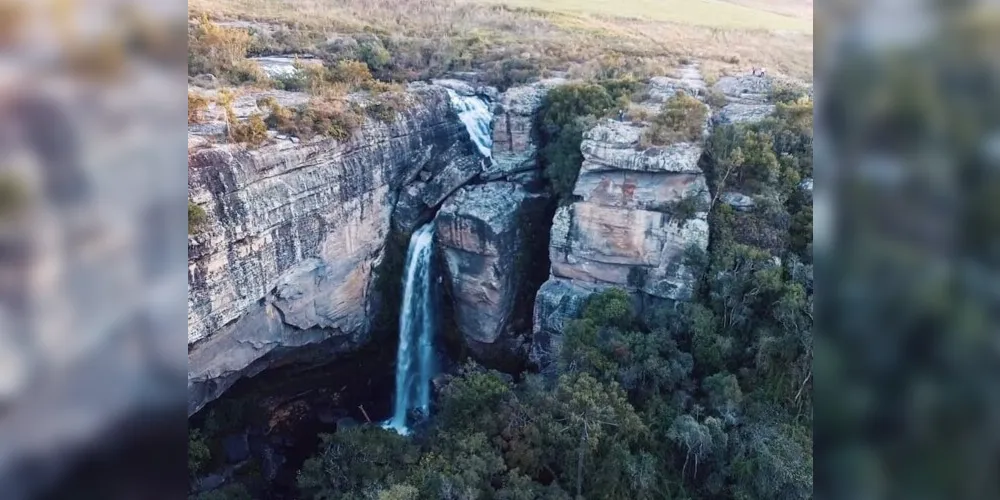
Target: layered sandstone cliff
(296, 229)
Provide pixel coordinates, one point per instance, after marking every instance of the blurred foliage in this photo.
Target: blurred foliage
(907, 403)
(13, 194)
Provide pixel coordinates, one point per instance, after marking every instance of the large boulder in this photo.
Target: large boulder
(487, 235)
(294, 231)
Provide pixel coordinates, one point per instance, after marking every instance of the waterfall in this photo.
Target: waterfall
(415, 356)
(475, 114)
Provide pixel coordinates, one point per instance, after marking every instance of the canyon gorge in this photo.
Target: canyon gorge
(300, 265)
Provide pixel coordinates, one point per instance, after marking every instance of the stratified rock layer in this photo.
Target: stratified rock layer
(295, 229)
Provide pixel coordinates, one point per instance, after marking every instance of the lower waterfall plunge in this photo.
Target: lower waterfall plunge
(475, 114)
(415, 357)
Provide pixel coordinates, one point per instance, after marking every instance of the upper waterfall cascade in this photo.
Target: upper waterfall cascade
(415, 355)
(475, 114)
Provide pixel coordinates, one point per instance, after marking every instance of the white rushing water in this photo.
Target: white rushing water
(415, 356)
(475, 114)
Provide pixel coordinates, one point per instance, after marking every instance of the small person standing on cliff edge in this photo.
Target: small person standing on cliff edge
(621, 115)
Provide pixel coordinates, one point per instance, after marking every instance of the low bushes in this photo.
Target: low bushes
(217, 50)
(196, 104)
(387, 106)
(681, 119)
(329, 117)
(715, 98)
(253, 131)
(784, 92)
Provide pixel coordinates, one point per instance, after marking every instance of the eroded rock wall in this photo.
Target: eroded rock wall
(295, 230)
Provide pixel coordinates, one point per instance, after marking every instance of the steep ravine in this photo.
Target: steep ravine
(295, 280)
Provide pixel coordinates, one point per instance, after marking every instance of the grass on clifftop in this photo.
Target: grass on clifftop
(712, 14)
(512, 42)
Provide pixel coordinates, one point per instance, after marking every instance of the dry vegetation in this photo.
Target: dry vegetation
(196, 105)
(373, 45)
(682, 119)
(413, 39)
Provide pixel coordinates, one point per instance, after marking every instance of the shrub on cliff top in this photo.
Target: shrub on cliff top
(681, 119)
(387, 106)
(374, 54)
(786, 92)
(253, 131)
(322, 116)
(196, 104)
(353, 73)
(215, 49)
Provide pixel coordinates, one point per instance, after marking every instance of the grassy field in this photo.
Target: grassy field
(740, 14)
(581, 37)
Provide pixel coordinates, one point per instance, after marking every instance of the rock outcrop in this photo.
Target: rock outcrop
(636, 214)
(749, 97)
(514, 148)
(295, 231)
(487, 235)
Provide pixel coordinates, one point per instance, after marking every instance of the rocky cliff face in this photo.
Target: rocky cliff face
(487, 235)
(627, 228)
(514, 148)
(493, 236)
(296, 229)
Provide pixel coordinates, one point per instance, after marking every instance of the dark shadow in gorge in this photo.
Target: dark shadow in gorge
(262, 430)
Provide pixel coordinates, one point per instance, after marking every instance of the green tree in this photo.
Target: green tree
(199, 454)
(517, 486)
(463, 467)
(773, 461)
(596, 415)
(469, 399)
(356, 463)
(399, 492)
(566, 113)
(651, 363)
(724, 394)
